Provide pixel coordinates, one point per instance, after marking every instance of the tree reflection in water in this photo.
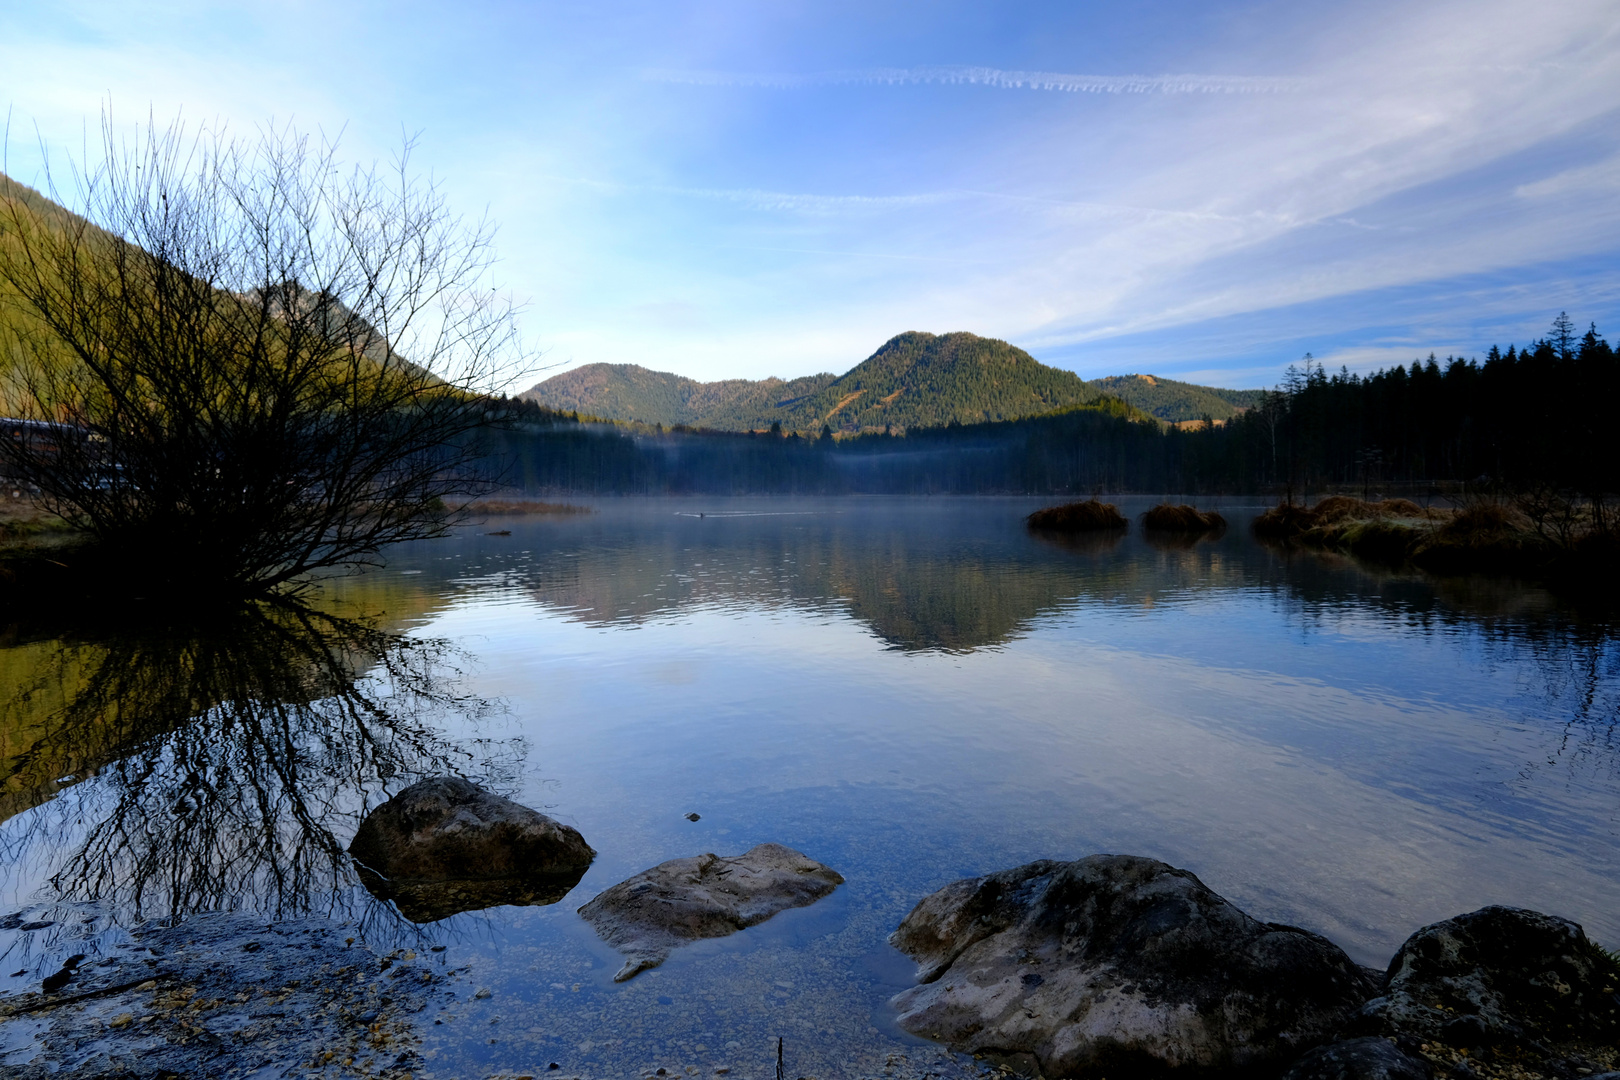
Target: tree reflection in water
(173, 770)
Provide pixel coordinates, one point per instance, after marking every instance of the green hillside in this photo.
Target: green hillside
(1170, 400)
(24, 341)
(630, 392)
(929, 380)
(914, 380)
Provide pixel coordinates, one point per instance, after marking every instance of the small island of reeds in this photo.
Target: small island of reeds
(1482, 536)
(1173, 518)
(1088, 516)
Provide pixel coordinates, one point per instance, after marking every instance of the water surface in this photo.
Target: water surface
(908, 690)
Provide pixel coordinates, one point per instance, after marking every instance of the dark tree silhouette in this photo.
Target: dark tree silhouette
(244, 361)
(211, 766)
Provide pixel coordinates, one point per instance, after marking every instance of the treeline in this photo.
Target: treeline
(1104, 445)
(1536, 417)
(1525, 418)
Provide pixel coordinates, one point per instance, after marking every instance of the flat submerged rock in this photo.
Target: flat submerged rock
(223, 994)
(648, 916)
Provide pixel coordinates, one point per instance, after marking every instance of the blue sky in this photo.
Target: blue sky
(1194, 189)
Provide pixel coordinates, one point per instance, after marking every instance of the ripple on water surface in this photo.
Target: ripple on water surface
(909, 691)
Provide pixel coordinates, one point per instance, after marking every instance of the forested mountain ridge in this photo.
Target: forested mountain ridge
(1174, 401)
(915, 380)
(1498, 428)
(931, 380)
(632, 392)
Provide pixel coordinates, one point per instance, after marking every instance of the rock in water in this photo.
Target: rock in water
(648, 916)
(1120, 966)
(1359, 1059)
(1506, 983)
(446, 845)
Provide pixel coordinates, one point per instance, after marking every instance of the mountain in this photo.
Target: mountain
(930, 380)
(631, 392)
(914, 380)
(1170, 400)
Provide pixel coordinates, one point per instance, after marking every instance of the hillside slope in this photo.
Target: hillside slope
(914, 380)
(23, 337)
(1170, 400)
(929, 380)
(632, 392)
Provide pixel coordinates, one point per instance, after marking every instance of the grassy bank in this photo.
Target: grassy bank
(507, 507)
(23, 522)
(1481, 537)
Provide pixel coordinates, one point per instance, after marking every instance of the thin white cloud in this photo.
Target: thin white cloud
(757, 199)
(1600, 176)
(804, 202)
(989, 77)
(761, 199)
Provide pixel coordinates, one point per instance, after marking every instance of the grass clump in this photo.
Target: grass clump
(1484, 536)
(1283, 522)
(1168, 517)
(1088, 516)
(1335, 516)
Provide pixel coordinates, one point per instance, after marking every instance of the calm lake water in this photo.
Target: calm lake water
(910, 691)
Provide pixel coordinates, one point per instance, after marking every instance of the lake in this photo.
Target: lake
(908, 690)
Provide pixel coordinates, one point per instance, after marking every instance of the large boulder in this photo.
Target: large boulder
(1369, 1058)
(445, 845)
(648, 916)
(1118, 965)
(1504, 984)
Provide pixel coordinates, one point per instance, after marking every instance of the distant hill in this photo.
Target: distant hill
(930, 380)
(631, 392)
(914, 380)
(1170, 400)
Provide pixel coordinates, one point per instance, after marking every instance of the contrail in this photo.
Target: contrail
(760, 199)
(993, 77)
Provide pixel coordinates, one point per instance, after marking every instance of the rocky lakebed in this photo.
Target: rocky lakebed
(1106, 966)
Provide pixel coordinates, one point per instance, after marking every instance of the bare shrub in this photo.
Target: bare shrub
(253, 361)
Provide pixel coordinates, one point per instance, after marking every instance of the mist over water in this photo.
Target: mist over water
(908, 690)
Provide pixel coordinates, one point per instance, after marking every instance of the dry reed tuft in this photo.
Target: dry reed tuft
(1288, 520)
(1483, 518)
(1283, 520)
(1087, 516)
(525, 506)
(1167, 517)
(1338, 507)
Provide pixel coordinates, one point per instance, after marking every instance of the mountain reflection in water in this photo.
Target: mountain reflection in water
(181, 768)
(907, 691)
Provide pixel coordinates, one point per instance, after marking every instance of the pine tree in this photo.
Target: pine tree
(1562, 337)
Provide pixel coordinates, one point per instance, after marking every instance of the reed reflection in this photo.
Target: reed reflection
(172, 770)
